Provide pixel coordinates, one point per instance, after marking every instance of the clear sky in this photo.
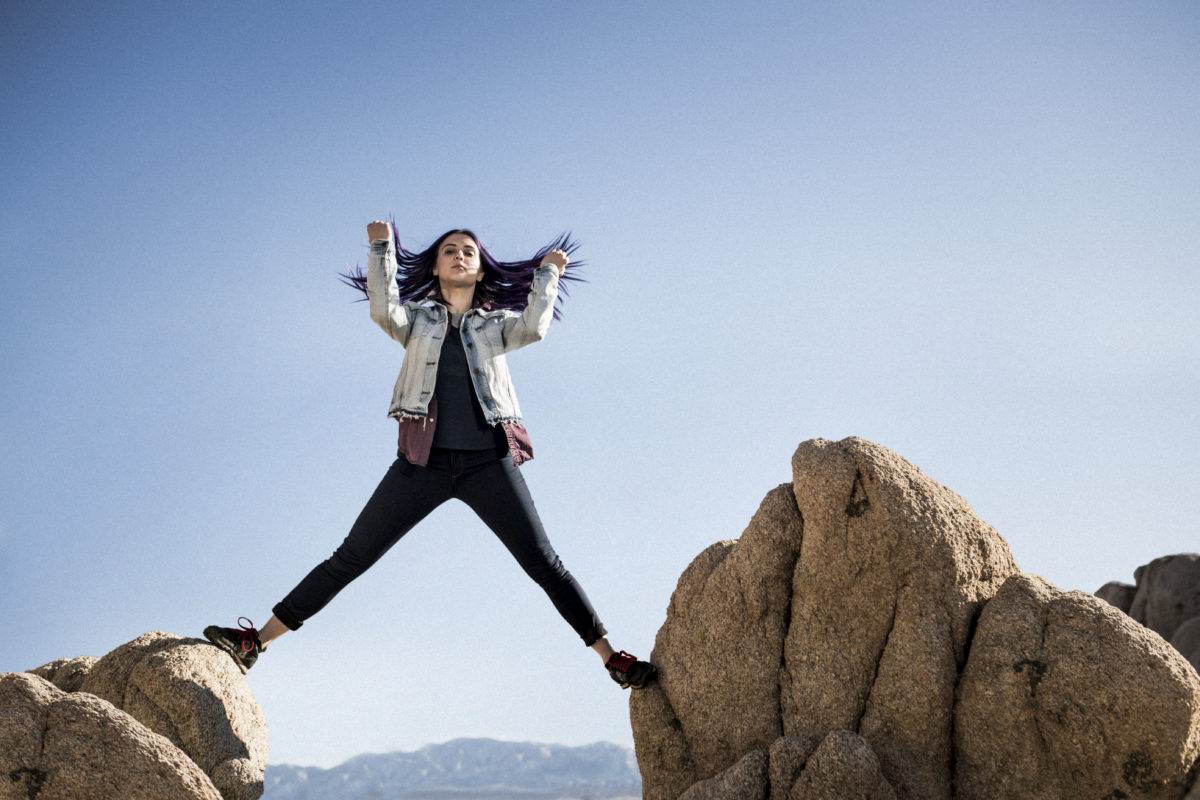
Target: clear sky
(968, 231)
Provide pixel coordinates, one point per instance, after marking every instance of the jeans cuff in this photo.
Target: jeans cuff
(594, 635)
(284, 615)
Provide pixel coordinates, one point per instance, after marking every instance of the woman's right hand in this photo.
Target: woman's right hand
(378, 230)
(557, 259)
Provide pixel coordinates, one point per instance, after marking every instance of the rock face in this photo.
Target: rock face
(733, 599)
(843, 767)
(56, 745)
(850, 606)
(747, 778)
(1118, 594)
(66, 673)
(1065, 696)
(190, 692)
(183, 696)
(1168, 593)
(1187, 641)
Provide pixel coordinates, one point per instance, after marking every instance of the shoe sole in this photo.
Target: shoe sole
(214, 636)
(650, 677)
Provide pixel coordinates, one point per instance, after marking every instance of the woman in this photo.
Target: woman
(454, 309)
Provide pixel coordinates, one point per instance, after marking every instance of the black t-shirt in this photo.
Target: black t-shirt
(460, 424)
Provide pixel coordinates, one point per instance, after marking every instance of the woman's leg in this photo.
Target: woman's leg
(272, 631)
(603, 649)
(498, 494)
(403, 498)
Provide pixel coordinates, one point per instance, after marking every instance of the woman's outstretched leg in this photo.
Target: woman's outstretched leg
(498, 494)
(403, 498)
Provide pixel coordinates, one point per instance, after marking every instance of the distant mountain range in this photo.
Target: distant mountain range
(468, 769)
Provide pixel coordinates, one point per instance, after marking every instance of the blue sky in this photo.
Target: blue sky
(967, 231)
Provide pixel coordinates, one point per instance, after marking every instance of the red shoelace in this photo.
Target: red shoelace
(248, 636)
(620, 661)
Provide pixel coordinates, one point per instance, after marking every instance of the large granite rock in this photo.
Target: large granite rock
(1187, 641)
(1168, 593)
(724, 639)
(745, 780)
(1064, 696)
(833, 636)
(1166, 599)
(1118, 594)
(193, 694)
(843, 767)
(56, 745)
(66, 673)
(892, 573)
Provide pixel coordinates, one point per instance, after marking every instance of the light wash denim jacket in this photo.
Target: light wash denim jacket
(420, 325)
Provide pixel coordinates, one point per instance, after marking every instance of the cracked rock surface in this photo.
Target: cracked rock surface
(839, 635)
(179, 702)
(57, 745)
(1064, 696)
(190, 692)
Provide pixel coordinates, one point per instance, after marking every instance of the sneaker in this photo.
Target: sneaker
(241, 643)
(629, 672)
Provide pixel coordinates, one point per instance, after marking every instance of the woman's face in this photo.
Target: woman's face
(458, 261)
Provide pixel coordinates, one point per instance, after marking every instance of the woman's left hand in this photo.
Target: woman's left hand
(558, 258)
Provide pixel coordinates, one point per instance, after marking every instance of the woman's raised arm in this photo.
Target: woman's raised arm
(535, 320)
(386, 309)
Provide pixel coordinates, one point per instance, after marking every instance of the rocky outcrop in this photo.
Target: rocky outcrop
(724, 638)
(1186, 640)
(1118, 594)
(66, 673)
(190, 692)
(1165, 599)
(1065, 696)
(57, 745)
(891, 575)
(849, 638)
(843, 767)
(1168, 593)
(747, 778)
(184, 695)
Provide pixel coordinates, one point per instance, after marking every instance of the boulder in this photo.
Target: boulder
(745, 780)
(843, 767)
(663, 756)
(788, 757)
(1168, 592)
(1064, 696)
(193, 694)
(66, 673)
(1118, 594)
(893, 570)
(1187, 641)
(719, 654)
(56, 745)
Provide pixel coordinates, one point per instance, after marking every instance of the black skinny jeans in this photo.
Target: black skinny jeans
(494, 489)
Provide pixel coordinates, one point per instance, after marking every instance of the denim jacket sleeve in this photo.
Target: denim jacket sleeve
(534, 322)
(386, 309)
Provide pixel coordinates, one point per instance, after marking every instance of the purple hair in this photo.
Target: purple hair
(505, 284)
